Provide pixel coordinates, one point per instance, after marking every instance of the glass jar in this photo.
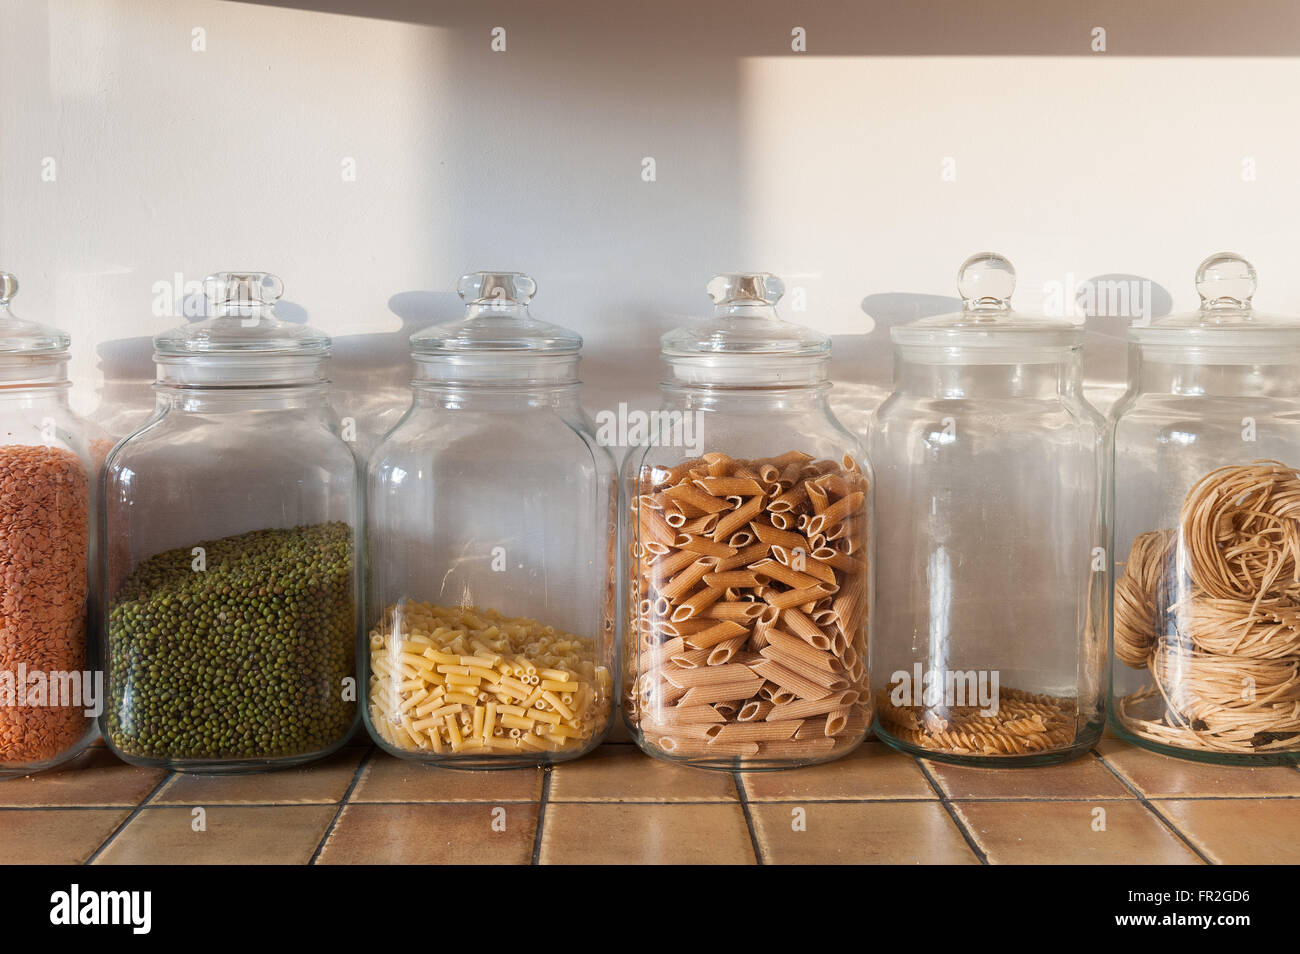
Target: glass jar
(491, 547)
(1207, 530)
(48, 694)
(992, 605)
(232, 585)
(749, 532)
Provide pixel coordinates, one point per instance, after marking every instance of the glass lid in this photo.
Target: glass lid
(19, 337)
(243, 322)
(744, 322)
(1226, 318)
(496, 320)
(986, 282)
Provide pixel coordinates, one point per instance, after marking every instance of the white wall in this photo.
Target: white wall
(825, 166)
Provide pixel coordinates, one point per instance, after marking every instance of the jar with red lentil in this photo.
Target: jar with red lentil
(48, 696)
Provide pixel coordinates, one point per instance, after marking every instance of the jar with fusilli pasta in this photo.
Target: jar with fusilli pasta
(991, 619)
(748, 590)
(491, 593)
(1207, 530)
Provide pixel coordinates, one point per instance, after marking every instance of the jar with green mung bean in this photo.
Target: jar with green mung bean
(230, 565)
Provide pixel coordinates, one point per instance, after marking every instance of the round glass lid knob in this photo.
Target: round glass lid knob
(741, 287)
(986, 280)
(1225, 280)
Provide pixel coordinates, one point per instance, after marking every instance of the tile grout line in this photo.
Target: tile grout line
(952, 812)
(352, 786)
(738, 780)
(1141, 797)
(131, 816)
(541, 815)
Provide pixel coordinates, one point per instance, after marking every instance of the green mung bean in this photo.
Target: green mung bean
(244, 659)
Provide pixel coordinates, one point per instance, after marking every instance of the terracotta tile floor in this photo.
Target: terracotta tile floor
(1118, 805)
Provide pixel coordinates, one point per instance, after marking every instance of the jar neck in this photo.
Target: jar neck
(1279, 379)
(459, 397)
(502, 369)
(54, 394)
(236, 399)
(805, 399)
(1022, 381)
(745, 372)
(34, 370)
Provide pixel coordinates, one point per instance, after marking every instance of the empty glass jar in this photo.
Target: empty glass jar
(491, 547)
(1207, 530)
(47, 692)
(232, 519)
(749, 548)
(993, 580)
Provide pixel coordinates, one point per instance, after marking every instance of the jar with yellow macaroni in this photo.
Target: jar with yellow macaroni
(491, 547)
(1207, 530)
(748, 515)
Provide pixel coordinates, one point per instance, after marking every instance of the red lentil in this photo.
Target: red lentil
(44, 528)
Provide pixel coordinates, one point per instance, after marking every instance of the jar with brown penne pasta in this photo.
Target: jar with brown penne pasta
(748, 591)
(1207, 530)
(991, 620)
(491, 522)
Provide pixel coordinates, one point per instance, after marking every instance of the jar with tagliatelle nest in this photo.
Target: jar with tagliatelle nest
(748, 591)
(1207, 530)
(992, 607)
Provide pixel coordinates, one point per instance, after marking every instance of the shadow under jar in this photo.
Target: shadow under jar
(491, 545)
(46, 492)
(1207, 530)
(992, 613)
(230, 519)
(748, 590)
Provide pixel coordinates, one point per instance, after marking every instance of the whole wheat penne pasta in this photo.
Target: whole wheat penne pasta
(669, 564)
(702, 525)
(804, 708)
(690, 658)
(687, 715)
(789, 500)
(790, 474)
(754, 710)
(731, 578)
(750, 554)
(722, 692)
(813, 727)
(803, 563)
(795, 597)
(729, 486)
(723, 652)
(837, 560)
(735, 611)
(837, 720)
(769, 473)
(696, 603)
(814, 674)
(783, 521)
(783, 574)
(718, 463)
(721, 630)
(687, 580)
(719, 749)
(773, 536)
(728, 523)
(740, 539)
(793, 647)
(834, 485)
(698, 543)
(789, 679)
(752, 732)
(655, 529)
(695, 496)
(709, 676)
(803, 747)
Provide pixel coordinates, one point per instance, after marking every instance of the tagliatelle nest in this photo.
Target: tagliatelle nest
(1212, 610)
